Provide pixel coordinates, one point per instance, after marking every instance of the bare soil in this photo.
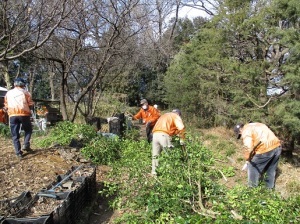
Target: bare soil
(40, 168)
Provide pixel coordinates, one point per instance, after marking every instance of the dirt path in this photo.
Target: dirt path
(35, 171)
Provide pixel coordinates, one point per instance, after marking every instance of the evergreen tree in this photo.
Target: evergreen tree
(244, 66)
(285, 114)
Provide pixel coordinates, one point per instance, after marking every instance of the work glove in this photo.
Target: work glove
(245, 167)
(181, 142)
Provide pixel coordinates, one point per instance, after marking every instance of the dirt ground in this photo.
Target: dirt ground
(40, 168)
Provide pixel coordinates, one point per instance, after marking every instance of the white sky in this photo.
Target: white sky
(191, 13)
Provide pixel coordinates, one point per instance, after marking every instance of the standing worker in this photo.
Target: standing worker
(168, 125)
(149, 115)
(262, 154)
(18, 103)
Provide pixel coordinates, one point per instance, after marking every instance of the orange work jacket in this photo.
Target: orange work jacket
(149, 115)
(171, 124)
(253, 133)
(17, 101)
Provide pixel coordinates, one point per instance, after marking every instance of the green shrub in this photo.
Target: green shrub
(64, 132)
(103, 150)
(171, 195)
(260, 205)
(4, 130)
(229, 171)
(182, 185)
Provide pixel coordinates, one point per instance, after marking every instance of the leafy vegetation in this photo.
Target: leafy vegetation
(64, 132)
(187, 188)
(188, 191)
(102, 150)
(4, 130)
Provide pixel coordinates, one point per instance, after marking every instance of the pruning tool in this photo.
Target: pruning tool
(253, 152)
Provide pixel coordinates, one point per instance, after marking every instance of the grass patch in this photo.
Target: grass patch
(293, 187)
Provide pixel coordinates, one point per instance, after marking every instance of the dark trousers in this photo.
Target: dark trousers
(149, 133)
(15, 123)
(264, 163)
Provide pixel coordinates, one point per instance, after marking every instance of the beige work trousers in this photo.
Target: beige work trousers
(161, 141)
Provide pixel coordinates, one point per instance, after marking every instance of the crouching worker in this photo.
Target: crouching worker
(168, 125)
(262, 154)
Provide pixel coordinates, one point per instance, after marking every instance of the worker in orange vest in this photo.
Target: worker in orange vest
(18, 103)
(149, 116)
(262, 152)
(168, 125)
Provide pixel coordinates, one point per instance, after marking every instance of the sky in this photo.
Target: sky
(191, 13)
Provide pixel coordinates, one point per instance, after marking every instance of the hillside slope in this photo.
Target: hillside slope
(229, 149)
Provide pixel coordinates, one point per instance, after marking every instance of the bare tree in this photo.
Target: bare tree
(207, 6)
(112, 25)
(27, 25)
(88, 50)
(160, 29)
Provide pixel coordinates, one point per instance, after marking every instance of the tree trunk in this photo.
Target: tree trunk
(63, 105)
(51, 83)
(31, 80)
(4, 68)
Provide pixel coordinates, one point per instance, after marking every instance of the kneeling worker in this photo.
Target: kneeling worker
(168, 125)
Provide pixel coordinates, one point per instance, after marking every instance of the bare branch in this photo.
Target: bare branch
(262, 106)
(27, 26)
